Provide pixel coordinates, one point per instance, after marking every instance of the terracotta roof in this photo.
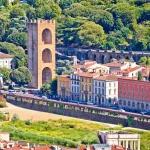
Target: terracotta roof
(114, 64)
(86, 66)
(87, 74)
(4, 132)
(128, 70)
(3, 55)
(64, 76)
(107, 77)
(89, 61)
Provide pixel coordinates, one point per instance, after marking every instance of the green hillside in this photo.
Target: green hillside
(104, 24)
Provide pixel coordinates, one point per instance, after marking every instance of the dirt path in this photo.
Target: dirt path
(25, 114)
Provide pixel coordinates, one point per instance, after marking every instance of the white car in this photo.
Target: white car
(122, 110)
(44, 97)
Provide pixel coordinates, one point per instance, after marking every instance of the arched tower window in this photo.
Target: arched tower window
(47, 36)
(46, 75)
(46, 56)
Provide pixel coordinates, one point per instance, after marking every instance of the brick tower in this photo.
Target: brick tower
(41, 51)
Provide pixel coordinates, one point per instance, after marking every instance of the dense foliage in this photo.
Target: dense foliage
(21, 76)
(104, 24)
(68, 133)
(50, 88)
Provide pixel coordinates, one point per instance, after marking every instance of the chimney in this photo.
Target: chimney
(74, 60)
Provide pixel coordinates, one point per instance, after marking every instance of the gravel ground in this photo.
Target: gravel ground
(25, 114)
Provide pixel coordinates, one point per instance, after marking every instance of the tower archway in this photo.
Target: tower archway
(46, 56)
(46, 75)
(47, 36)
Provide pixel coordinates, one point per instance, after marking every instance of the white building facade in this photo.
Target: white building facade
(105, 90)
(75, 87)
(127, 140)
(6, 60)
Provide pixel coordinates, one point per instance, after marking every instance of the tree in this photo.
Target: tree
(18, 38)
(17, 51)
(3, 24)
(6, 73)
(16, 12)
(31, 14)
(53, 86)
(90, 34)
(149, 77)
(103, 18)
(140, 77)
(143, 61)
(45, 89)
(5, 2)
(21, 76)
(31, 2)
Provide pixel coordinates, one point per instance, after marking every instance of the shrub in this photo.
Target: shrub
(2, 117)
(15, 118)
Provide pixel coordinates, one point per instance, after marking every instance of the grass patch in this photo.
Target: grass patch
(69, 133)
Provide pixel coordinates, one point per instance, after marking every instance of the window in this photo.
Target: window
(109, 92)
(146, 89)
(86, 87)
(99, 84)
(90, 88)
(95, 83)
(102, 99)
(109, 84)
(128, 87)
(133, 88)
(133, 96)
(109, 100)
(114, 84)
(115, 92)
(82, 87)
(95, 90)
(142, 89)
(103, 84)
(103, 91)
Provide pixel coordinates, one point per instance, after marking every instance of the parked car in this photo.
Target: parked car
(122, 110)
(12, 91)
(44, 97)
(90, 103)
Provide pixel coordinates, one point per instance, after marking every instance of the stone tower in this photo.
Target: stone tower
(41, 51)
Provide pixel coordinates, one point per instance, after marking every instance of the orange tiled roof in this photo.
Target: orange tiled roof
(128, 70)
(64, 76)
(3, 55)
(87, 74)
(107, 78)
(114, 64)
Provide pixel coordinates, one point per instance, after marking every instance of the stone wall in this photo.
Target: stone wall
(81, 114)
(102, 56)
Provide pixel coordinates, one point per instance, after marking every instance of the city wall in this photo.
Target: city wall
(81, 111)
(102, 56)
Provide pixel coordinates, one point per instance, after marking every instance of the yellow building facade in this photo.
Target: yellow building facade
(63, 86)
(86, 85)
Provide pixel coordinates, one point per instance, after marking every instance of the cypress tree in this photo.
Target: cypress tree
(140, 77)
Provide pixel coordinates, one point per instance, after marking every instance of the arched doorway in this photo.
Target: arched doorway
(47, 36)
(94, 57)
(102, 59)
(46, 56)
(46, 75)
(147, 106)
(142, 106)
